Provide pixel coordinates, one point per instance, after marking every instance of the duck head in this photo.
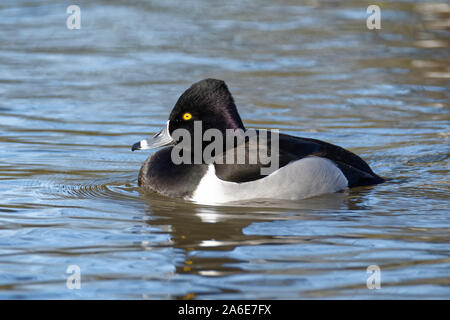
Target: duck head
(208, 101)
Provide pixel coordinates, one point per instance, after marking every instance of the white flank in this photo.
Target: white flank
(300, 179)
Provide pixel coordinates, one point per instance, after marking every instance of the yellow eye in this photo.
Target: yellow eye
(187, 116)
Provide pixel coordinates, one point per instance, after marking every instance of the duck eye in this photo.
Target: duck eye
(187, 116)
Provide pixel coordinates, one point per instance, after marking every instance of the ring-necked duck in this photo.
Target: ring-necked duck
(306, 167)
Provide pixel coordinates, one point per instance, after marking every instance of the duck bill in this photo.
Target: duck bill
(160, 139)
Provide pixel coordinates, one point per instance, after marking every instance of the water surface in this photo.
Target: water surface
(74, 101)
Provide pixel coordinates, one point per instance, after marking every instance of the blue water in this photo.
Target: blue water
(74, 101)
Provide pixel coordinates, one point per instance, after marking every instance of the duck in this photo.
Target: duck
(305, 167)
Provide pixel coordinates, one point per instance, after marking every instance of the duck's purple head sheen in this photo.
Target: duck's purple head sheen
(208, 101)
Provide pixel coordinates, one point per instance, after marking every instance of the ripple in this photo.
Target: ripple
(121, 190)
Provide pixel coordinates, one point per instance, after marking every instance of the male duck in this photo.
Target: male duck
(307, 167)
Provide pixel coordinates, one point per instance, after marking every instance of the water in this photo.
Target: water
(74, 101)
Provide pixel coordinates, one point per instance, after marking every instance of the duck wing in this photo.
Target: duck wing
(291, 148)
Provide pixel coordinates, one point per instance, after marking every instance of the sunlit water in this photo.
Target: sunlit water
(74, 101)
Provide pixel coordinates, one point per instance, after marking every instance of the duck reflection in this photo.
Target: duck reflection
(207, 234)
(196, 227)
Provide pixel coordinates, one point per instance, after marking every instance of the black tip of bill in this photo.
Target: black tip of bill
(136, 146)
